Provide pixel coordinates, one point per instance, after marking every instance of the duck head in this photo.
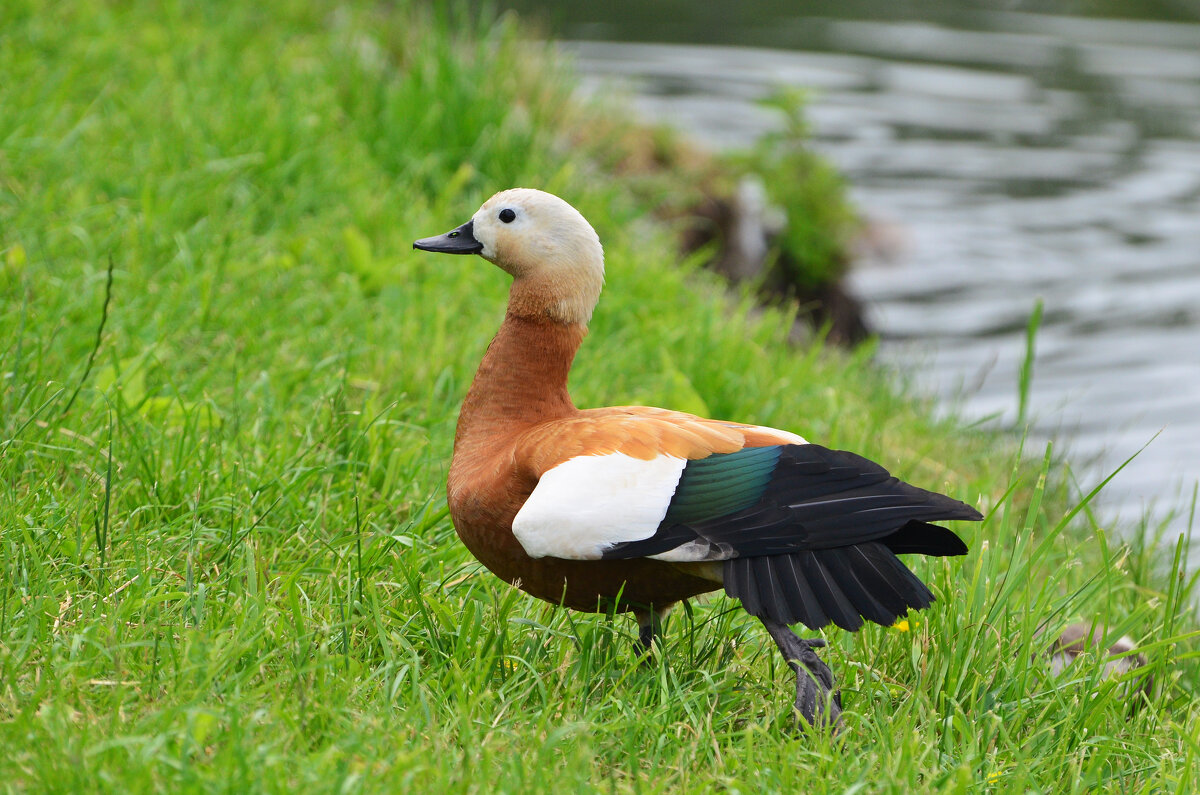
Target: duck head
(550, 250)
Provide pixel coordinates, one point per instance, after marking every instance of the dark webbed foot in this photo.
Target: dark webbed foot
(819, 704)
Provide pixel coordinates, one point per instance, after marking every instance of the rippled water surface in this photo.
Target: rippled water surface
(1006, 158)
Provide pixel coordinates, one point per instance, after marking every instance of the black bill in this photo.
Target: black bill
(456, 241)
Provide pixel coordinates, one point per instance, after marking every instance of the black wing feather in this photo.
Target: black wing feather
(811, 498)
(923, 538)
(808, 534)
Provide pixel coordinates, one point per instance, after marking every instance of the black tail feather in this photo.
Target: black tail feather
(860, 589)
(833, 600)
(801, 598)
(738, 571)
(818, 587)
(771, 586)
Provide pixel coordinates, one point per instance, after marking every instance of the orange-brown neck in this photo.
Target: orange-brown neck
(521, 381)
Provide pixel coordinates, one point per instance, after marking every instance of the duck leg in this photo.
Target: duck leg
(819, 704)
(649, 624)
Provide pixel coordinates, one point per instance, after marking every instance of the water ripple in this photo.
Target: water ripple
(1032, 157)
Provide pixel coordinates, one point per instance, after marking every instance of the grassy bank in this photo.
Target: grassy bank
(225, 561)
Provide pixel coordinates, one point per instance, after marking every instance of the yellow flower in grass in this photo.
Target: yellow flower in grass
(901, 625)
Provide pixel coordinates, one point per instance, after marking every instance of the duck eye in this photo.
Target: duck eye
(507, 215)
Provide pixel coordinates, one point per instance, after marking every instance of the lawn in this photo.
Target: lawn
(228, 390)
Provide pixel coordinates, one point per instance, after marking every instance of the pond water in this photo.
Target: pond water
(1001, 158)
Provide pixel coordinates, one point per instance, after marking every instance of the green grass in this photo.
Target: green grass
(227, 565)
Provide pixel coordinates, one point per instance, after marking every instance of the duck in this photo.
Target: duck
(1121, 659)
(637, 509)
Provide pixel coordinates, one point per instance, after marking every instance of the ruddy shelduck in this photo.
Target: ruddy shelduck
(636, 509)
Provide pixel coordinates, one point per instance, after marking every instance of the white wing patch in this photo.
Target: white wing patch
(586, 504)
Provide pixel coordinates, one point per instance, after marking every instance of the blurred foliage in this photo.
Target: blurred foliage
(821, 221)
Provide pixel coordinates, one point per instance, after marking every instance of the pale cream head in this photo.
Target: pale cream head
(551, 251)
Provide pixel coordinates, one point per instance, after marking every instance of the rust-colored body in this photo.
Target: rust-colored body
(518, 421)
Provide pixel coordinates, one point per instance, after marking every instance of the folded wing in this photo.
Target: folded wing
(806, 534)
